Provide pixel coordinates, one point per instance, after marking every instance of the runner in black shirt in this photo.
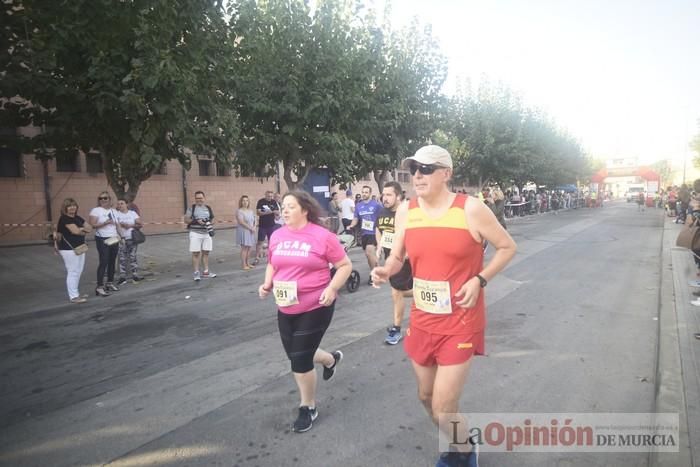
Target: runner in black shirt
(402, 282)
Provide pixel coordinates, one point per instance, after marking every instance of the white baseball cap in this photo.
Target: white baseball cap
(431, 155)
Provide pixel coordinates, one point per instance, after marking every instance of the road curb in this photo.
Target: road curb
(669, 390)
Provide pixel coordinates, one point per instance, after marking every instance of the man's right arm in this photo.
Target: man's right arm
(355, 218)
(261, 212)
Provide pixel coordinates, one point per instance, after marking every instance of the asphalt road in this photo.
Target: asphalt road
(158, 379)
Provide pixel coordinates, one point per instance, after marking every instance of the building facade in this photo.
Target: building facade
(34, 191)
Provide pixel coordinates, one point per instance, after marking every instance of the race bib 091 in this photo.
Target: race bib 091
(285, 293)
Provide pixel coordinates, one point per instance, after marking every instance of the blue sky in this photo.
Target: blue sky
(622, 76)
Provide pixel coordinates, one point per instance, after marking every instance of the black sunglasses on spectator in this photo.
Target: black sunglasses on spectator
(425, 169)
(104, 197)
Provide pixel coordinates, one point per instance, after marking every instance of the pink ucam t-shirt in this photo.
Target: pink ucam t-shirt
(303, 256)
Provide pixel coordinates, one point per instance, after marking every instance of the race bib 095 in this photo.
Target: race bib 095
(432, 296)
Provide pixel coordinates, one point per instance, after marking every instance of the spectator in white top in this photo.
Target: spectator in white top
(347, 210)
(127, 221)
(102, 219)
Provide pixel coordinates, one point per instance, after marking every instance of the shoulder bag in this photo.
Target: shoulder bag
(137, 236)
(78, 250)
(116, 238)
(689, 237)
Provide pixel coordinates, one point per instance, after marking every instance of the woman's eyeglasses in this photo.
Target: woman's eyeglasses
(422, 168)
(103, 198)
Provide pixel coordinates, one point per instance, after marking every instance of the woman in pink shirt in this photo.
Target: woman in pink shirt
(298, 274)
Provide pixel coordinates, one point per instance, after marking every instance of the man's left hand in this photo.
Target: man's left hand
(469, 292)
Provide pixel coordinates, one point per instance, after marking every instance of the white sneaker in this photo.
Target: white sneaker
(695, 302)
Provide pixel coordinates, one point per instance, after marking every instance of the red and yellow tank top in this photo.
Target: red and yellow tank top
(443, 250)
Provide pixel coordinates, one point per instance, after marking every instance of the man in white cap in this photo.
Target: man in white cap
(442, 233)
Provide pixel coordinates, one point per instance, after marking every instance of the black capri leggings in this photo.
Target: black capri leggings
(302, 333)
(108, 257)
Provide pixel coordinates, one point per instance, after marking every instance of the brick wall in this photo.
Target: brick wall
(160, 198)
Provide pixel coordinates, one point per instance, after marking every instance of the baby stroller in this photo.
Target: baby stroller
(353, 283)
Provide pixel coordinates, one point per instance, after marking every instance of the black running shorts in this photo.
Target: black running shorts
(403, 280)
(301, 335)
(368, 240)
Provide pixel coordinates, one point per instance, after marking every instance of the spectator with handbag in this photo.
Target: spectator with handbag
(106, 242)
(69, 242)
(127, 221)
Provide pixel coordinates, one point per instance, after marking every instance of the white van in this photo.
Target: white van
(633, 192)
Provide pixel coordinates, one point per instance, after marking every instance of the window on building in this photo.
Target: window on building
(93, 163)
(206, 167)
(10, 163)
(67, 161)
(222, 171)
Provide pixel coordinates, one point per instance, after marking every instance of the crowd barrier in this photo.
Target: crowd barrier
(51, 224)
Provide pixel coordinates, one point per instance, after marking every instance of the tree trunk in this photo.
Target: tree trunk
(294, 184)
(380, 178)
(291, 184)
(124, 186)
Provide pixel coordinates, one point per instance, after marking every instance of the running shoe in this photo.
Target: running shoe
(305, 419)
(78, 300)
(122, 280)
(329, 372)
(208, 275)
(111, 287)
(393, 336)
(197, 277)
(695, 302)
(459, 459)
(136, 279)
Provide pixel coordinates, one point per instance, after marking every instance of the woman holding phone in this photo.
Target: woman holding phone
(102, 218)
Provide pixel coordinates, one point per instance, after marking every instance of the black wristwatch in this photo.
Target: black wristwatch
(482, 281)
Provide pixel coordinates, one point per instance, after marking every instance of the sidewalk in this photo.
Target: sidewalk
(678, 371)
(34, 278)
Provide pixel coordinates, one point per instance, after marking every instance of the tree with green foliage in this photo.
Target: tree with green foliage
(328, 87)
(494, 138)
(665, 171)
(695, 146)
(301, 85)
(404, 95)
(140, 81)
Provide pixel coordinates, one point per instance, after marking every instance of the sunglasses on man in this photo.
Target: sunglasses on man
(425, 169)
